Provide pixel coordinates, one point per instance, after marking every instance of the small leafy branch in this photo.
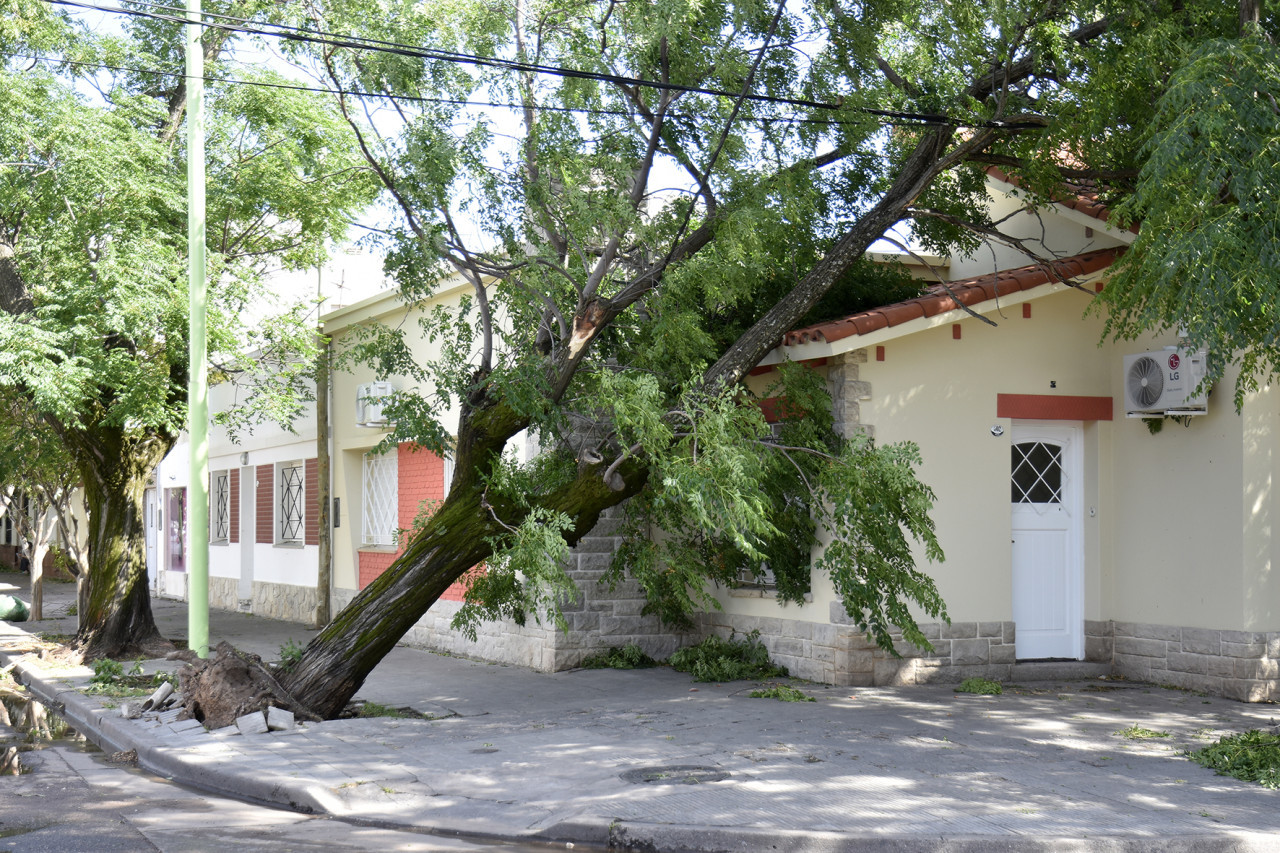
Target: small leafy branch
(1252, 756)
(629, 656)
(290, 654)
(1137, 732)
(717, 659)
(783, 693)
(980, 686)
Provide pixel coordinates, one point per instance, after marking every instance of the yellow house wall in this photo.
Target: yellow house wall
(1178, 525)
(941, 393)
(349, 441)
(1177, 551)
(1260, 511)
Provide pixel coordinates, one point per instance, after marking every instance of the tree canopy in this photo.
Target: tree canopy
(93, 307)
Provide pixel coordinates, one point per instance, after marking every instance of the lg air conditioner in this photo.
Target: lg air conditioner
(1165, 382)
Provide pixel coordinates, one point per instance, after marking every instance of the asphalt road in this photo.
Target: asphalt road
(72, 800)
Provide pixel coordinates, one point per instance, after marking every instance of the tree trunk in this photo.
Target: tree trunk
(455, 540)
(38, 552)
(116, 619)
(340, 657)
(324, 577)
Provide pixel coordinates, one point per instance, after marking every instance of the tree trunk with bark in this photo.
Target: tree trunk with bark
(116, 620)
(454, 540)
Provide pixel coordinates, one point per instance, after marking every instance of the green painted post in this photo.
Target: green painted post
(198, 391)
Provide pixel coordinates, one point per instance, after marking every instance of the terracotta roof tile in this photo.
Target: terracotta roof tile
(937, 300)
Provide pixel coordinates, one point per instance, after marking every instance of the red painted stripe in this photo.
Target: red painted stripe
(1047, 407)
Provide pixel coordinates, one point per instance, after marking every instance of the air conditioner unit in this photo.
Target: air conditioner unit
(369, 403)
(1165, 382)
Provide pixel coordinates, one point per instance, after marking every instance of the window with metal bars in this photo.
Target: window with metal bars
(220, 508)
(379, 499)
(290, 508)
(1037, 473)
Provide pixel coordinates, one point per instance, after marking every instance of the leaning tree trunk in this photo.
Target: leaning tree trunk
(454, 540)
(339, 658)
(116, 620)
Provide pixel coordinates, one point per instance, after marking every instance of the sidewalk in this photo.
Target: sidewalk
(602, 757)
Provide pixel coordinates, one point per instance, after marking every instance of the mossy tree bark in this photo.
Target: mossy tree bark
(115, 465)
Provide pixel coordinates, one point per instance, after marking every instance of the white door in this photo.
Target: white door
(152, 512)
(1048, 571)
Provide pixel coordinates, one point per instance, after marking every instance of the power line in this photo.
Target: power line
(388, 96)
(378, 46)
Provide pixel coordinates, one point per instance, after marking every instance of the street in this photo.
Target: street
(71, 800)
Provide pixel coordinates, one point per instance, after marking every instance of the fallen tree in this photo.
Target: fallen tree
(680, 185)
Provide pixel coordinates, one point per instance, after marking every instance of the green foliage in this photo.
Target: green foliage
(1137, 732)
(783, 693)
(1206, 197)
(718, 659)
(290, 654)
(1252, 756)
(106, 671)
(629, 656)
(980, 686)
(525, 576)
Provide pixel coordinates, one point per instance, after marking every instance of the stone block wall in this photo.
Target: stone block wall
(1243, 665)
(283, 601)
(839, 653)
(601, 618)
(224, 593)
(604, 617)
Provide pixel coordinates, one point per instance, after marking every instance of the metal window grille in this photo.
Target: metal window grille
(379, 503)
(1037, 473)
(291, 503)
(221, 506)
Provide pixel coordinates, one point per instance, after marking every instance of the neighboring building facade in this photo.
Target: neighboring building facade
(1072, 533)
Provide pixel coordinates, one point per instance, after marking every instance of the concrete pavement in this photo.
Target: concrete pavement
(651, 760)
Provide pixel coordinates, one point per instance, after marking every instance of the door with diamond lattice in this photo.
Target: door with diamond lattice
(1048, 574)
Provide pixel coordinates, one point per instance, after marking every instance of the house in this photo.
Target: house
(1073, 533)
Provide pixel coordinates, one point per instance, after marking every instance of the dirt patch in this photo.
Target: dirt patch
(231, 684)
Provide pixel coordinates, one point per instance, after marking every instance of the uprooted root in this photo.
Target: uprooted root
(231, 684)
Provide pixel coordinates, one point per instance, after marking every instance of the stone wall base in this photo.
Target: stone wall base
(1243, 665)
(284, 601)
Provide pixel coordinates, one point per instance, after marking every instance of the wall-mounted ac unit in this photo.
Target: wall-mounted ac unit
(369, 403)
(1165, 382)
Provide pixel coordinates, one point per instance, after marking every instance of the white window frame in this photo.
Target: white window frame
(220, 507)
(291, 499)
(379, 499)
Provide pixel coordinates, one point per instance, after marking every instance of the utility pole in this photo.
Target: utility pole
(198, 390)
(324, 576)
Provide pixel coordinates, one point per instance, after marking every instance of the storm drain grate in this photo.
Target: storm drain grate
(674, 774)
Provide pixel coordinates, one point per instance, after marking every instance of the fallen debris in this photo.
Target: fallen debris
(231, 684)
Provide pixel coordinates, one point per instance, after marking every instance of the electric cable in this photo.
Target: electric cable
(378, 46)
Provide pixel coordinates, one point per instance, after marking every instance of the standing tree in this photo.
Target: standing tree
(93, 326)
(644, 198)
(36, 468)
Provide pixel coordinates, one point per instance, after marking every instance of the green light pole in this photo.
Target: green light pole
(198, 391)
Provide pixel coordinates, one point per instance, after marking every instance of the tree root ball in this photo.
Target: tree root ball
(228, 685)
